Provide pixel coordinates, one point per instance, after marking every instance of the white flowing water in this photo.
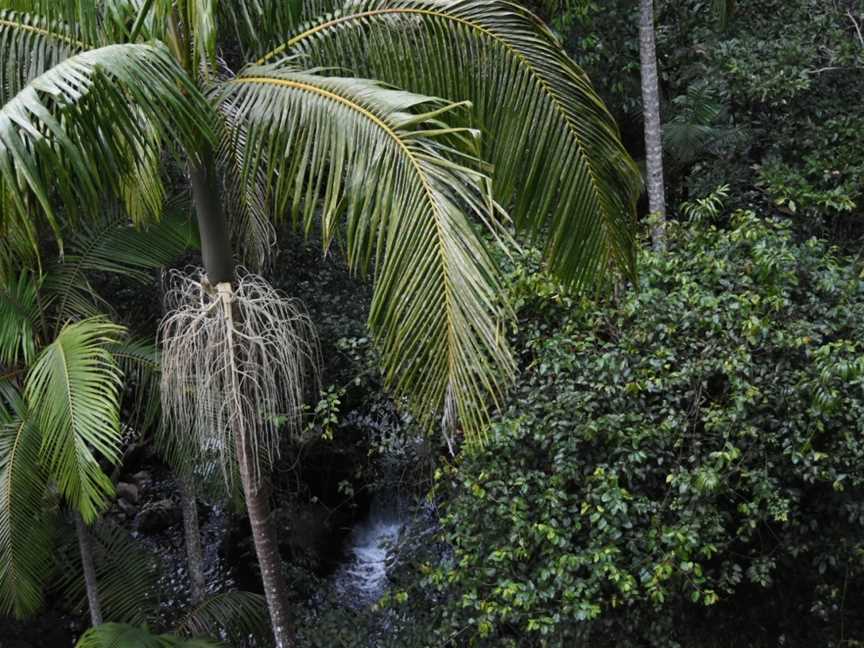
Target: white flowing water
(362, 579)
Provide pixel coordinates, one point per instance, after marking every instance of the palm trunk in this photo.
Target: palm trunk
(219, 266)
(192, 535)
(266, 547)
(84, 544)
(653, 129)
(215, 244)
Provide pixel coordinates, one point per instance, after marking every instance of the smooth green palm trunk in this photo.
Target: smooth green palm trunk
(219, 266)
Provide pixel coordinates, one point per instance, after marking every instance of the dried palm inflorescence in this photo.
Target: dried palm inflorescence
(235, 364)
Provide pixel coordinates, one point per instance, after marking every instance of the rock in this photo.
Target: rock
(127, 491)
(126, 507)
(158, 516)
(141, 476)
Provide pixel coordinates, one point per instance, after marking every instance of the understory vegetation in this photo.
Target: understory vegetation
(677, 466)
(277, 306)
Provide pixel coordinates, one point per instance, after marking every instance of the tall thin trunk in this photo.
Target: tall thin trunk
(266, 547)
(86, 548)
(219, 266)
(192, 534)
(215, 244)
(653, 129)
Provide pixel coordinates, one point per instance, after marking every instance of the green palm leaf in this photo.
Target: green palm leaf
(70, 135)
(26, 529)
(29, 46)
(258, 25)
(116, 635)
(127, 575)
(111, 245)
(383, 159)
(234, 615)
(556, 149)
(20, 313)
(139, 361)
(72, 391)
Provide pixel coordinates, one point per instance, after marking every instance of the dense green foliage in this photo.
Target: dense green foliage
(682, 466)
(681, 461)
(767, 101)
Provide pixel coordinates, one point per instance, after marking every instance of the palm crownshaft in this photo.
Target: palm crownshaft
(372, 164)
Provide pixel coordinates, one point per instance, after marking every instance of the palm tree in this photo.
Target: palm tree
(68, 416)
(60, 398)
(653, 128)
(475, 106)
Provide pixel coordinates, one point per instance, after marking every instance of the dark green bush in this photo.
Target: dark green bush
(682, 467)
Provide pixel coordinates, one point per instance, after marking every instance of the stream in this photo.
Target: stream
(357, 581)
(362, 579)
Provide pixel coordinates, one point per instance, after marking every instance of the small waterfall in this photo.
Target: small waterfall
(362, 579)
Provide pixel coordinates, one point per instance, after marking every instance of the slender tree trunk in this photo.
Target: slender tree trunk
(257, 497)
(192, 534)
(653, 129)
(219, 266)
(84, 544)
(215, 244)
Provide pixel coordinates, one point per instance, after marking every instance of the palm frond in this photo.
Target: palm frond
(26, 529)
(116, 635)
(245, 195)
(556, 149)
(111, 245)
(29, 46)
(54, 134)
(127, 575)
(382, 158)
(96, 22)
(141, 189)
(20, 318)
(236, 616)
(72, 391)
(260, 25)
(139, 361)
(189, 27)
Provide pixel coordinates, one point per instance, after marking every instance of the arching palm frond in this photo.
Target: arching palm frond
(29, 46)
(245, 194)
(20, 314)
(556, 149)
(381, 157)
(111, 245)
(234, 615)
(139, 361)
(127, 575)
(261, 25)
(72, 391)
(56, 145)
(116, 635)
(26, 529)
